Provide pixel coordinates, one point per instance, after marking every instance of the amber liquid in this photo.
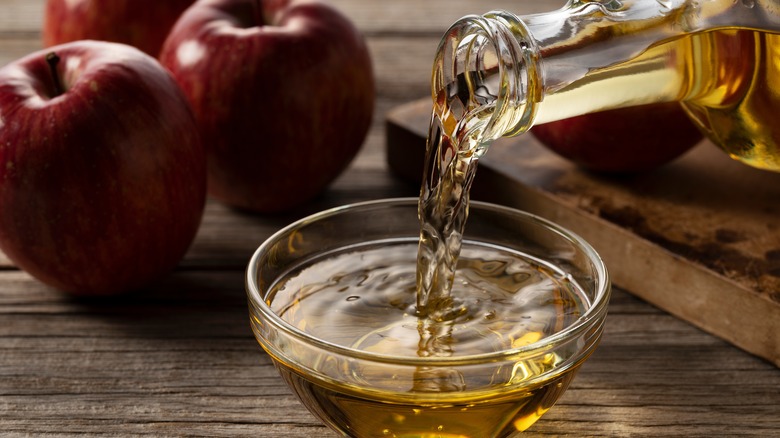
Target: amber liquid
(453, 415)
(734, 95)
(365, 298)
(725, 79)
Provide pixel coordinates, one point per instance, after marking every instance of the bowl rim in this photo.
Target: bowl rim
(592, 316)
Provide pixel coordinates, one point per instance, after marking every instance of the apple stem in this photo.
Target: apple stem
(52, 59)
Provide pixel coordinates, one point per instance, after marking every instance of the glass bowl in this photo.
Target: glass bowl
(332, 300)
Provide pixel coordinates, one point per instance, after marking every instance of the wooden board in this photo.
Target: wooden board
(699, 237)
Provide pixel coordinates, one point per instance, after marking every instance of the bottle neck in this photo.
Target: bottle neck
(485, 80)
(498, 68)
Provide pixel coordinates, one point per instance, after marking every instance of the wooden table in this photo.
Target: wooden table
(179, 358)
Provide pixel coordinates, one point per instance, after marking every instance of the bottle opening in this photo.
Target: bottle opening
(485, 77)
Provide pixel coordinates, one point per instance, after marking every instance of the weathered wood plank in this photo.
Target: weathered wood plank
(429, 17)
(372, 17)
(21, 17)
(179, 359)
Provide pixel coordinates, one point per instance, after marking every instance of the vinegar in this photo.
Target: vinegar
(733, 92)
(364, 298)
(727, 80)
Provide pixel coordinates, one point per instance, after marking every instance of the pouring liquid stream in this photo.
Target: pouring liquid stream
(463, 124)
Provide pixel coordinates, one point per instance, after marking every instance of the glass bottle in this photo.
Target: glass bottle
(498, 74)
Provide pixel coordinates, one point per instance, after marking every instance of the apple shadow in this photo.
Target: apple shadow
(203, 307)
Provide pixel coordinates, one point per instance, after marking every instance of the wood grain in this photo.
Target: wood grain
(178, 358)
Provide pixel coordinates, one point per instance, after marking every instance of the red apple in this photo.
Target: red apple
(140, 23)
(630, 139)
(102, 173)
(283, 92)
